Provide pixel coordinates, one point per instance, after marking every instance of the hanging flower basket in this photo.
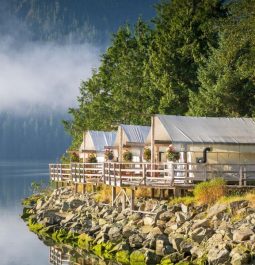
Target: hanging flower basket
(147, 154)
(127, 156)
(75, 158)
(108, 154)
(92, 158)
(172, 154)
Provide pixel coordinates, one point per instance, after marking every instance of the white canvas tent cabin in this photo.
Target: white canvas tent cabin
(95, 142)
(131, 138)
(231, 140)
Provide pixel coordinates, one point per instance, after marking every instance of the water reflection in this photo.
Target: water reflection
(66, 256)
(18, 246)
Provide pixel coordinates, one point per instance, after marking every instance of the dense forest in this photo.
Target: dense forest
(78, 20)
(39, 134)
(195, 58)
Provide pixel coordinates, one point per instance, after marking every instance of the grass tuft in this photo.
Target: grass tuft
(210, 191)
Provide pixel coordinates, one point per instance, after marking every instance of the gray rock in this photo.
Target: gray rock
(180, 217)
(201, 223)
(218, 256)
(136, 241)
(176, 241)
(149, 220)
(239, 256)
(199, 234)
(242, 234)
(114, 233)
(217, 210)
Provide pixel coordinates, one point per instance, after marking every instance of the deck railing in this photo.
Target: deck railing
(76, 172)
(154, 175)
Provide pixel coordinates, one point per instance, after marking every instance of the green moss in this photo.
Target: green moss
(27, 212)
(200, 261)
(32, 200)
(123, 257)
(184, 263)
(34, 226)
(166, 262)
(84, 241)
(137, 258)
(185, 200)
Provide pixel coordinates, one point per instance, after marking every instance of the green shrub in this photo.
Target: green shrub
(210, 191)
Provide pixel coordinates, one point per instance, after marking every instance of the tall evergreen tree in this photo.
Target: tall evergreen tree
(184, 32)
(228, 77)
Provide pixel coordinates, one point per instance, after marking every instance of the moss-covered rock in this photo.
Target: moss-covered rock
(123, 257)
(84, 241)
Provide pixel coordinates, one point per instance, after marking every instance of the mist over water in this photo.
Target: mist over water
(44, 74)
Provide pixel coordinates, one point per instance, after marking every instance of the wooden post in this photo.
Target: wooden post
(114, 174)
(152, 139)
(161, 194)
(152, 193)
(104, 178)
(76, 187)
(241, 176)
(124, 200)
(120, 144)
(83, 188)
(120, 175)
(109, 173)
(244, 176)
(113, 195)
(132, 199)
(144, 174)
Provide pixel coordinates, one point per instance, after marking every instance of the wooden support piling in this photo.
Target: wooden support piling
(124, 199)
(132, 199)
(113, 194)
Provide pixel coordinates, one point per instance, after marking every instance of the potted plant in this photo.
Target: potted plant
(127, 156)
(108, 154)
(172, 154)
(147, 154)
(92, 158)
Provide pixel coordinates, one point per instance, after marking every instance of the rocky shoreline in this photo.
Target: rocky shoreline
(158, 233)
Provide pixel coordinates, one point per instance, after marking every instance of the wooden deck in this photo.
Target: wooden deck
(158, 175)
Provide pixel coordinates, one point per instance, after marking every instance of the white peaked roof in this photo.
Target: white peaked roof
(136, 133)
(101, 139)
(184, 129)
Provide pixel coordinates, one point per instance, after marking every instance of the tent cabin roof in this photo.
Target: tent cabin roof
(97, 140)
(133, 135)
(204, 130)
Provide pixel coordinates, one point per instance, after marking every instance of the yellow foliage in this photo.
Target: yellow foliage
(209, 192)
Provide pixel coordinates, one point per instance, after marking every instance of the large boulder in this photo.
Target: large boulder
(217, 210)
(242, 234)
(144, 256)
(217, 255)
(115, 233)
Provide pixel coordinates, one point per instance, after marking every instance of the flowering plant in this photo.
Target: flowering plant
(108, 154)
(147, 154)
(172, 154)
(92, 158)
(127, 156)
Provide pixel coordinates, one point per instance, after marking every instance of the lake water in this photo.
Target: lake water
(19, 246)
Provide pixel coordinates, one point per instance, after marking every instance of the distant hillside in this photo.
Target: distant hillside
(79, 20)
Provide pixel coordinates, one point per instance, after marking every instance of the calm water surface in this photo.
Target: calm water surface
(18, 246)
